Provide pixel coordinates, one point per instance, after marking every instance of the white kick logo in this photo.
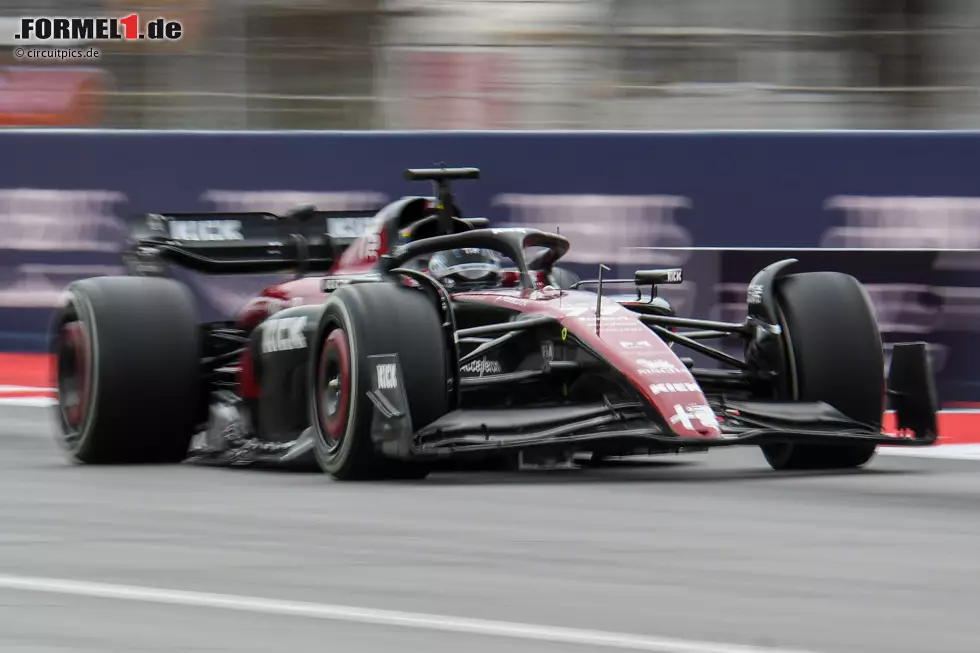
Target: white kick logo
(206, 230)
(284, 334)
(387, 376)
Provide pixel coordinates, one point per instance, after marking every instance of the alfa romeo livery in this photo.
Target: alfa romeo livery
(434, 336)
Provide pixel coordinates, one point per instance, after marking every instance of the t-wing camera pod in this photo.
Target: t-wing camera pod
(440, 178)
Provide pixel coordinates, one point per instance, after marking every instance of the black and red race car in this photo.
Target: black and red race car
(380, 361)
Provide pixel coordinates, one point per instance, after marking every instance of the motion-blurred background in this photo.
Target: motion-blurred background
(580, 65)
(512, 64)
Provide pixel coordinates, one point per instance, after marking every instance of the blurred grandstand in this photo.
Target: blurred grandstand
(512, 64)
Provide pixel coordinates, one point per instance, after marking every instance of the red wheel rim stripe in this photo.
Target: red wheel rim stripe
(75, 336)
(335, 348)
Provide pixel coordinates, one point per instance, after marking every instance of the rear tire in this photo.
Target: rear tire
(127, 364)
(836, 356)
(359, 321)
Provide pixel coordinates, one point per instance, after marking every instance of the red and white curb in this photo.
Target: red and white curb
(959, 437)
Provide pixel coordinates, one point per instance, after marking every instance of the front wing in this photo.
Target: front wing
(911, 391)
(579, 427)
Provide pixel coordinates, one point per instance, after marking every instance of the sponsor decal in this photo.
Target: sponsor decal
(640, 344)
(281, 201)
(332, 283)
(481, 367)
(512, 300)
(329, 284)
(548, 350)
(664, 388)
(201, 230)
(656, 367)
(675, 276)
(366, 247)
(391, 424)
(754, 294)
(284, 335)
(387, 376)
(623, 328)
(687, 415)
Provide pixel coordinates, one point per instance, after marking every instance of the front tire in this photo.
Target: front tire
(836, 356)
(127, 364)
(364, 320)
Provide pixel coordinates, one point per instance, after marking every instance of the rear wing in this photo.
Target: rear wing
(304, 240)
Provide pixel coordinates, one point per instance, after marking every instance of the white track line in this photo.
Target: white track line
(949, 451)
(377, 617)
(32, 402)
(25, 388)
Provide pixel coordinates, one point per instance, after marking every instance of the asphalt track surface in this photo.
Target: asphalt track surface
(666, 556)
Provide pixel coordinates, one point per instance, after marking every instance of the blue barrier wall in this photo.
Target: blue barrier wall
(62, 194)
(746, 189)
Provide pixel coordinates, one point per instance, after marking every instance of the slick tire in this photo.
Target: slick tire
(127, 368)
(836, 356)
(365, 320)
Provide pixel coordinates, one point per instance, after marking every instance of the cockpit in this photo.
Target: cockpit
(472, 257)
(465, 267)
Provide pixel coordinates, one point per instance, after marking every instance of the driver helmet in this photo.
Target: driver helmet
(468, 266)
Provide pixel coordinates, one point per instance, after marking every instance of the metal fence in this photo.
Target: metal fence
(494, 64)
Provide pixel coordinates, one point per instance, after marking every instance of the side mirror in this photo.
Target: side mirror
(655, 277)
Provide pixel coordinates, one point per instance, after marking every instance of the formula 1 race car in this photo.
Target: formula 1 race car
(434, 336)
